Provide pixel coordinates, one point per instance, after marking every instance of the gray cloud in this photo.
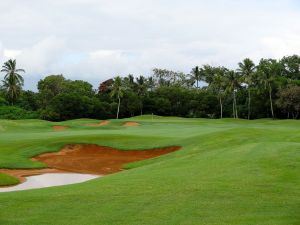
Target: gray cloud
(97, 39)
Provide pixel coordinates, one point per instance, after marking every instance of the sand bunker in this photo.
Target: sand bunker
(94, 159)
(131, 124)
(59, 128)
(102, 123)
(88, 159)
(22, 173)
(50, 180)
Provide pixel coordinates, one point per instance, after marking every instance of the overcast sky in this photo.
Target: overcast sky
(96, 39)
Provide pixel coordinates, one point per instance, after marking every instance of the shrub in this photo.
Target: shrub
(15, 113)
(2, 101)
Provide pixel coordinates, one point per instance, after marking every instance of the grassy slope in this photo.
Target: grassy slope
(6, 180)
(228, 172)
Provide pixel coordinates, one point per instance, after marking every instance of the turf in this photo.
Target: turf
(6, 180)
(228, 172)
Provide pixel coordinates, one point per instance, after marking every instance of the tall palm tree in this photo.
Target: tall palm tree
(219, 85)
(233, 83)
(268, 70)
(141, 86)
(196, 75)
(13, 81)
(117, 91)
(150, 83)
(129, 82)
(247, 69)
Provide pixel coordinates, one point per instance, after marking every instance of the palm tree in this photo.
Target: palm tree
(117, 90)
(219, 85)
(129, 82)
(246, 69)
(196, 74)
(150, 83)
(13, 81)
(141, 86)
(233, 83)
(268, 70)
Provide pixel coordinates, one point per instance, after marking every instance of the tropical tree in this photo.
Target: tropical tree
(13, 81)
(208, 73)
(150, 84)
(129, 82)
(196, 75)
(117, 91)
(247, 69)
(219, 86)
(163, 77)
(289, 100)
(268, 70)
(233, 82)
(141, 86)
(291, 66)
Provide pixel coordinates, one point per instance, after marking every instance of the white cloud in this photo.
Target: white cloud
(44, 56)
(104, 54)
(11, 53)
(1, 52)
(281, 46)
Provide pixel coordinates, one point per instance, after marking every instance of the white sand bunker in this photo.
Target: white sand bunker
(50, 180)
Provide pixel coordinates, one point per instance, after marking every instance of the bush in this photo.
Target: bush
(2, 101)
(15, 113)
(102, 110)
(67, 106)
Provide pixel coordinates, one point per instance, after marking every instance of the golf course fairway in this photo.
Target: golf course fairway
(229, 171)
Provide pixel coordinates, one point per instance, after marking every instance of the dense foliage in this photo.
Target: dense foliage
(13, 81)
(14, 113)
(269, 89)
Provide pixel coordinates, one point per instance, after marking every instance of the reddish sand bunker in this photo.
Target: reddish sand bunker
(94, 159)
(131, 124)
(59, 128)
(103, 123)
(90, 159)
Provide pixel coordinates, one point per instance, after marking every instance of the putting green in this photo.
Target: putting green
(228, 172)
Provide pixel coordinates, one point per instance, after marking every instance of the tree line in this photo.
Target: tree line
(270, 89)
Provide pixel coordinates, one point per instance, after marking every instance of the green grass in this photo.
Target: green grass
(235, 172)
(6, 180)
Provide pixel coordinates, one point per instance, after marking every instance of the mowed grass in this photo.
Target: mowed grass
(228, 172)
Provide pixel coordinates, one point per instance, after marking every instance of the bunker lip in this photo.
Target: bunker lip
(131, 124)
(59, 127)
(102, 123)
(88, 159)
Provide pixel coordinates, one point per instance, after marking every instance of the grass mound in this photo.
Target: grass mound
(6, 180)
(102, 123)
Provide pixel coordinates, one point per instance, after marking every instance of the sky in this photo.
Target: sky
(94, 40)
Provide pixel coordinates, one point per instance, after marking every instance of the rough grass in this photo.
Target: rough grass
(229, 171)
